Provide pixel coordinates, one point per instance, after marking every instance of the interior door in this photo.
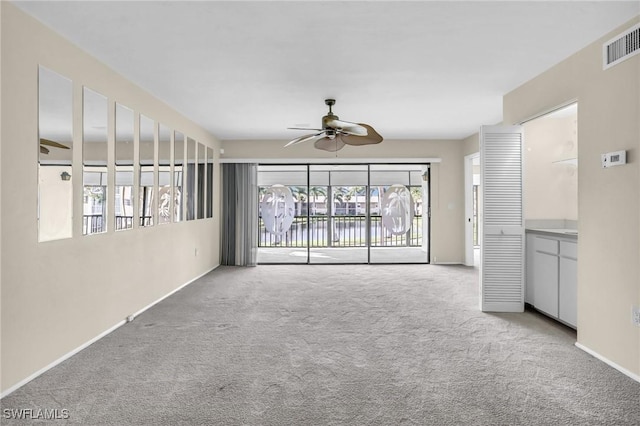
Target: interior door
(503, 243)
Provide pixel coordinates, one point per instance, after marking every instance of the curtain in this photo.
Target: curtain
(239, 214)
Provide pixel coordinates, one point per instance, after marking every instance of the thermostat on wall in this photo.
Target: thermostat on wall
(616, 158)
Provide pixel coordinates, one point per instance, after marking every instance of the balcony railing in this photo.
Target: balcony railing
(94, 223)
(340, 231)
(124, 222)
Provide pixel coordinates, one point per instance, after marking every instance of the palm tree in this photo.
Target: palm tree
(314, 193)
(300, 196)
(416, 194)
(344, 194)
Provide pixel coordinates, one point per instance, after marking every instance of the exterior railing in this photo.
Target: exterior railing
(146, 220)
(340, 231)
(94, 223)
(124, 222)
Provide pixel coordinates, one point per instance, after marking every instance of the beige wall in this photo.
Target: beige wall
(1, 139)
(550, 188)
(58, 295)
(447, 188)
(471, 144)
(608, 199)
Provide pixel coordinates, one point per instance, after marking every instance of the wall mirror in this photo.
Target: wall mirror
(178, 175)
(201, 176)
(209, 182)
(55, 146)
(124, 153)
(147, 153)
(94, 162)
(190, 184)
(164, 174)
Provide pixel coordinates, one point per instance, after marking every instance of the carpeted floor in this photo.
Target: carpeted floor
(334, 345)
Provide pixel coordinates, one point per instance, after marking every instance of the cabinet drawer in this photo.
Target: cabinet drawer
(568, 249)
(546, 245)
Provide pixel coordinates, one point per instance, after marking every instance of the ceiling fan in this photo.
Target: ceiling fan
(47, 142)
(335, 133)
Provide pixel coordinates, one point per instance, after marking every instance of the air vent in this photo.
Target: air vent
(621, 47)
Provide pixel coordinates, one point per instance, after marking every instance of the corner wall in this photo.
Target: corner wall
(471, 144)
(58, 295)
(608, 199)
(447, 188)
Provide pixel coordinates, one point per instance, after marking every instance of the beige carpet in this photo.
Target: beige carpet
(334, 345)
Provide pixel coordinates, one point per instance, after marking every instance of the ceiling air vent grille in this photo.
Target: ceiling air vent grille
(621, 47)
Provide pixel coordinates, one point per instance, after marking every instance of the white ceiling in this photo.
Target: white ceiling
(413, 70)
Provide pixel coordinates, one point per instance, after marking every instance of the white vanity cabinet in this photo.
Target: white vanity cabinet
(552, 275)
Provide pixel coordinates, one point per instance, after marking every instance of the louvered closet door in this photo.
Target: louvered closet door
(502, 259)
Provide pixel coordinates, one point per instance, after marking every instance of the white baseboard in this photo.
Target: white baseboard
(95, 339)
(609, 362)
(61, 359)
(447, 263)
(171, 293)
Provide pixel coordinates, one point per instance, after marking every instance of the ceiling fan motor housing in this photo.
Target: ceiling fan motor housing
(326, 119)
(335, 134)
(330, 133)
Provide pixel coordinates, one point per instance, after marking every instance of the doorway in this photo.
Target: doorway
(472, 193)
(338, 214)
(551, 169)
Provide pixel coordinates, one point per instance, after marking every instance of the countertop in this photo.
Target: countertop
(556, 232)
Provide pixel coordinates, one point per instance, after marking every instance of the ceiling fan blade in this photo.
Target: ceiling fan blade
(305, 138)
(331, 145)
(43, 150)
(52, 143)
(372, 137)
(345, 126)
(303, 128)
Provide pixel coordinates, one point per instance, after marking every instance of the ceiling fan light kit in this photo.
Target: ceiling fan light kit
(336, 134)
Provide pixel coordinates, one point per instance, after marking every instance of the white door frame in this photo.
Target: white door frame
(468, 208)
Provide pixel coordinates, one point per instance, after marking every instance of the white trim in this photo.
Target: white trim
(95, 339)
(609, 362)
(469, 258)
(549, 111)
(447, 263)
(61, 359)
(332, 160)
(134, 315)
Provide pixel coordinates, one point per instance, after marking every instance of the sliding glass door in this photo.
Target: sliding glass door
(406, 239)
(343, 213)
(345, 221)
(282, 227)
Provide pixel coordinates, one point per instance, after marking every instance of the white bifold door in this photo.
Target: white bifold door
(502, 225)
